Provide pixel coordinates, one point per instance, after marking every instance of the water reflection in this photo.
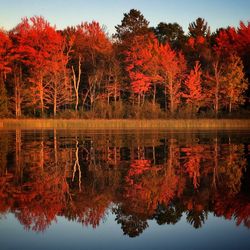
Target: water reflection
(137, 176)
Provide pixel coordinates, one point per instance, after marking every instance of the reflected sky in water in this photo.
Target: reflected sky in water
(153, 190)
(216, 234)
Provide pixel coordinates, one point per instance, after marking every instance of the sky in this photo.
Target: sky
(63, 13)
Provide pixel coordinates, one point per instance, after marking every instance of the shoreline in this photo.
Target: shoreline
(102, 124)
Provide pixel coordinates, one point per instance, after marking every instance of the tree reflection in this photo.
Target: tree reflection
(131, 224)
(168, 214)
(139, 177)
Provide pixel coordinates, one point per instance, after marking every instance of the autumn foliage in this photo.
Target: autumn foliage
(82, 72)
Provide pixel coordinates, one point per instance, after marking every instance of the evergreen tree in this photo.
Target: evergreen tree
(171, 33)
(133, 23)
(198, 45)
(199, 28)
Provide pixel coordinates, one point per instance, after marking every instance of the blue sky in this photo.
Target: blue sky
(62, 13)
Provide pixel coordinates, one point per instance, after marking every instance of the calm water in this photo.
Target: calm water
(124, 190)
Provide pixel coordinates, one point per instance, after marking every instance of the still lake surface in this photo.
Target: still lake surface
(124, 189)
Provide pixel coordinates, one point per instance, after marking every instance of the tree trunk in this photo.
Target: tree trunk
(143, 99)
(42, 96)
(166, 104)
(217, 87)
(77, 101)
(17, 81)
(55, 102)
(42, 105)
(76, 82)
(154, 94)
(171, 96)
(115, 94)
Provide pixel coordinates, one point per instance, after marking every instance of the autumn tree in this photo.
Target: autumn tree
(193, 89)
(235, 41)
(5, 44)
(226, 41)
(41, 57)
(153, 65)
(74, 40)
(143, 64)
(215, 85)
(37, 59)
(235, 83)
(133, 25)
(172, 71)
(95, 48)
(58, 92)
(137, 57)
(112, 89)
(232, 40)
(22, 55)
(243, 44)
(19, 59)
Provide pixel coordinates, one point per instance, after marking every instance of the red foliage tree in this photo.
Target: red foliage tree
(172, 68)
(5, 44)
(93, 44)
(5, 68)
(226, 41)
(193, 89)
(215, 86)
(138, 56)
(40, 58)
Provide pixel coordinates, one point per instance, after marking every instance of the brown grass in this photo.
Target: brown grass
(125, 124)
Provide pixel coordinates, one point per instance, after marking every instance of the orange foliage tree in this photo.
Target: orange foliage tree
(193, 88)
(5, 68)
(95, 47)
(137, 59)
(45, 61)
(172, 68)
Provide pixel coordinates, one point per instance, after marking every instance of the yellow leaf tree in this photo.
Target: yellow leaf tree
(235, 83)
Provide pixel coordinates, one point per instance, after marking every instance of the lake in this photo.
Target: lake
(80, 189)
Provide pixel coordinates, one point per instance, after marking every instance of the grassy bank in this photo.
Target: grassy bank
(125, 124)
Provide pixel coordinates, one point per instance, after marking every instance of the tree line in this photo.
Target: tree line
(139, 72)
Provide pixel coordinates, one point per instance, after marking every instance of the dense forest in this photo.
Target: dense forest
(138, 72)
